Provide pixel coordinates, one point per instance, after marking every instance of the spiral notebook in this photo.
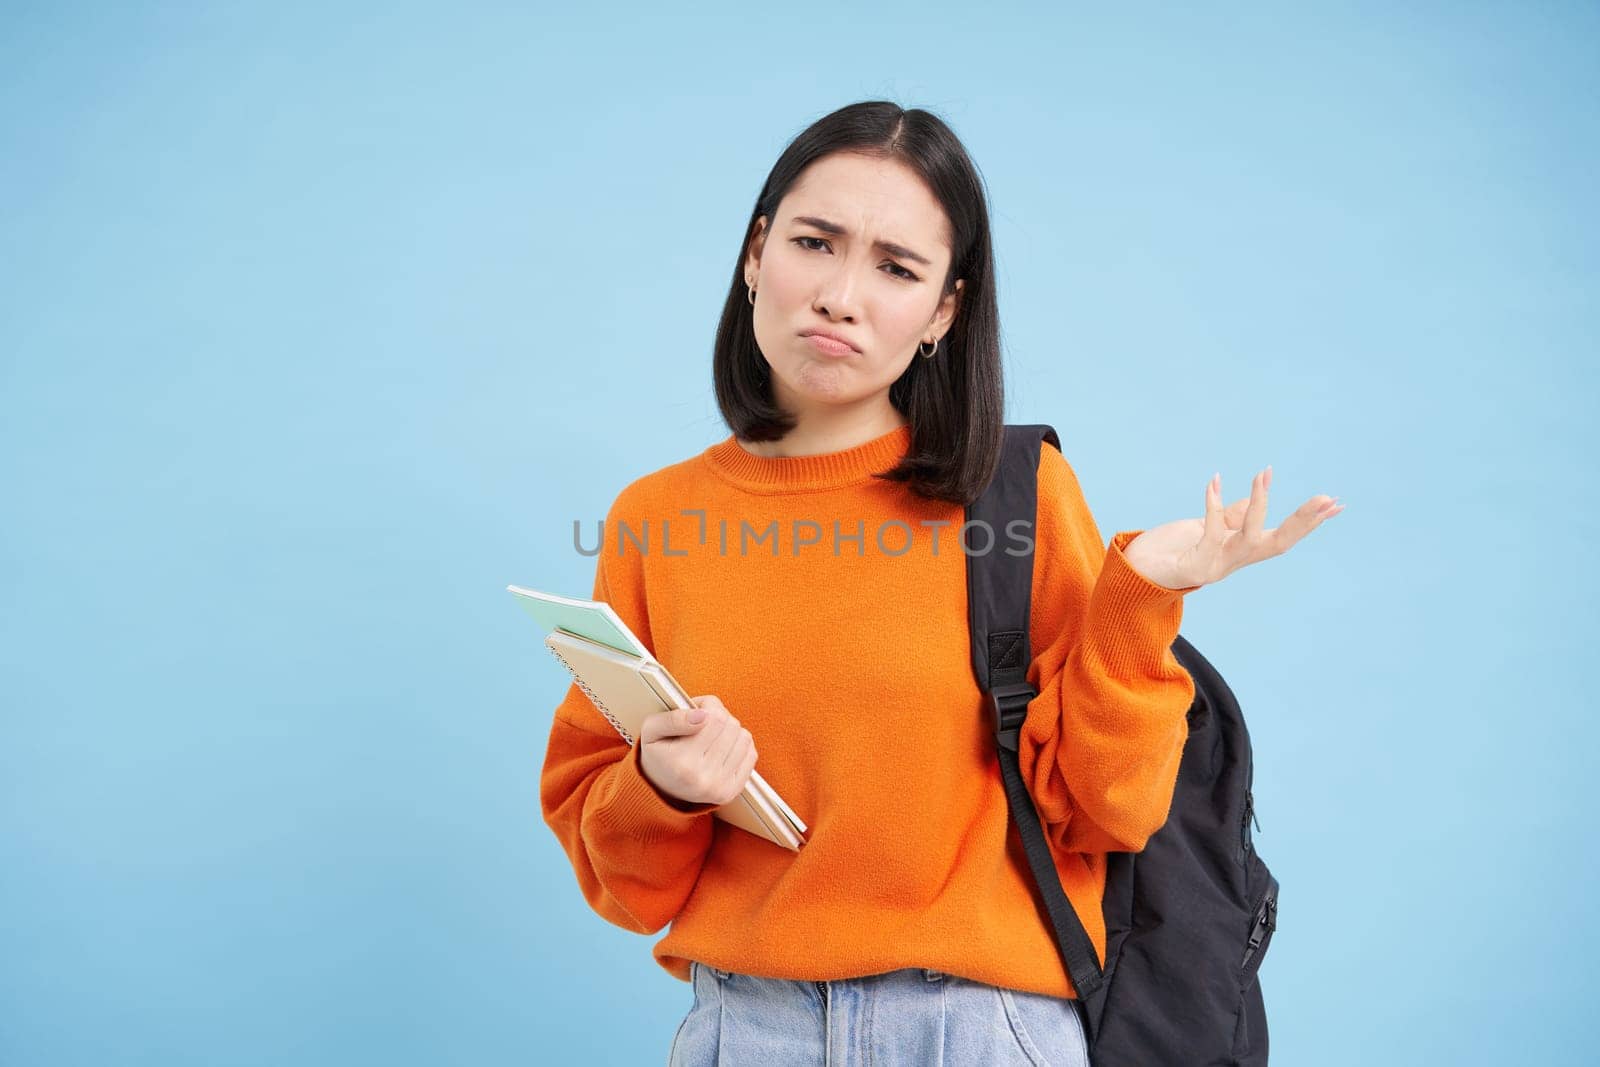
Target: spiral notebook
(626, 683)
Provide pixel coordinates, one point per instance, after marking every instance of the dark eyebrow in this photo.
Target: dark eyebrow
(839, 231)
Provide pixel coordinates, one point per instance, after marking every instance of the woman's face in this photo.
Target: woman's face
(823, 263)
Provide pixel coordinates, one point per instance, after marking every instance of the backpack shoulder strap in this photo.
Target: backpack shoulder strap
(999, 604)
(1000, 581)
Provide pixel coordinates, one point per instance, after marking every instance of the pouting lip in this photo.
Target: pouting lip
(830, 334)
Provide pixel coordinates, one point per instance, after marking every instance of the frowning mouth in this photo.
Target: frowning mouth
(831, 343)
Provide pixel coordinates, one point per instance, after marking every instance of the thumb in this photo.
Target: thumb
(680, 721)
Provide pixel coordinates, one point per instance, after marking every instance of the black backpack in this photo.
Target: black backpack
(1189, 918)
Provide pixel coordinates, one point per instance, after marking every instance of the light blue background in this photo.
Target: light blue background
(319, 330)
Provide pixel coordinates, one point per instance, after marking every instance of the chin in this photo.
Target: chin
(830, 384)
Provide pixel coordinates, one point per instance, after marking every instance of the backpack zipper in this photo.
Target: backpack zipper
(1266, 919)
(1246, 845)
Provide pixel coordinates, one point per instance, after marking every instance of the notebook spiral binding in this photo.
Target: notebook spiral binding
(612, 719)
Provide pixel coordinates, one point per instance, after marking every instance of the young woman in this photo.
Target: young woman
(808, 575)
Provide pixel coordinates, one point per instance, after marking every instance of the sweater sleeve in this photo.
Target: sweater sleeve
(1101, 743)
(635, 851)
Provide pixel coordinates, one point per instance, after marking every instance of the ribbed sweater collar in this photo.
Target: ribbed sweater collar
(825, 470)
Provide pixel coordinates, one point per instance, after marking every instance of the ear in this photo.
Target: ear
(758, 241)
(946, 313)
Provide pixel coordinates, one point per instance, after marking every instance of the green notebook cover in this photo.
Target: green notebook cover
(594, 619)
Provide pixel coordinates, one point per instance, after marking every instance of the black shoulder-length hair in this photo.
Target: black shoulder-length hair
(953, 402)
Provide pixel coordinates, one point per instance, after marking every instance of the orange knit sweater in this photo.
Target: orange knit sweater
(836, 631)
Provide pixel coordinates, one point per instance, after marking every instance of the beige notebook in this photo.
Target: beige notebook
(626, 688)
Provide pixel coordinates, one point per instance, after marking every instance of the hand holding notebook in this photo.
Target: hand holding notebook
(697, 755)
(626, 684)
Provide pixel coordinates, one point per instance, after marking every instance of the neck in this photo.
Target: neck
(818, 433)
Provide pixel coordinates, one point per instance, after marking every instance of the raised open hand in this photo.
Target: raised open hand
(1190, 553)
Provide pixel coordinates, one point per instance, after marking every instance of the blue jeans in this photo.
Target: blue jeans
(914, 1017)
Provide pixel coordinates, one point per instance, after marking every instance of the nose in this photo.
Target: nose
(836, 297)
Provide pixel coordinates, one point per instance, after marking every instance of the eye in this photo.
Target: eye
(905, 274)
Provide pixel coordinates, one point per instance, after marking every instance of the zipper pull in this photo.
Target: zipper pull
(1250, 810)
(1258, 933)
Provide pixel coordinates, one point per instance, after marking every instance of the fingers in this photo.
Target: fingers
(1216, 525)
(742, 758)
(1306, 517)
(1255, 517)
(1249, 517)
(730, 747)
(1320, 507)
(716, 716)
(730, 760)
(733, 745)
(746, 768)
(725, 740)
